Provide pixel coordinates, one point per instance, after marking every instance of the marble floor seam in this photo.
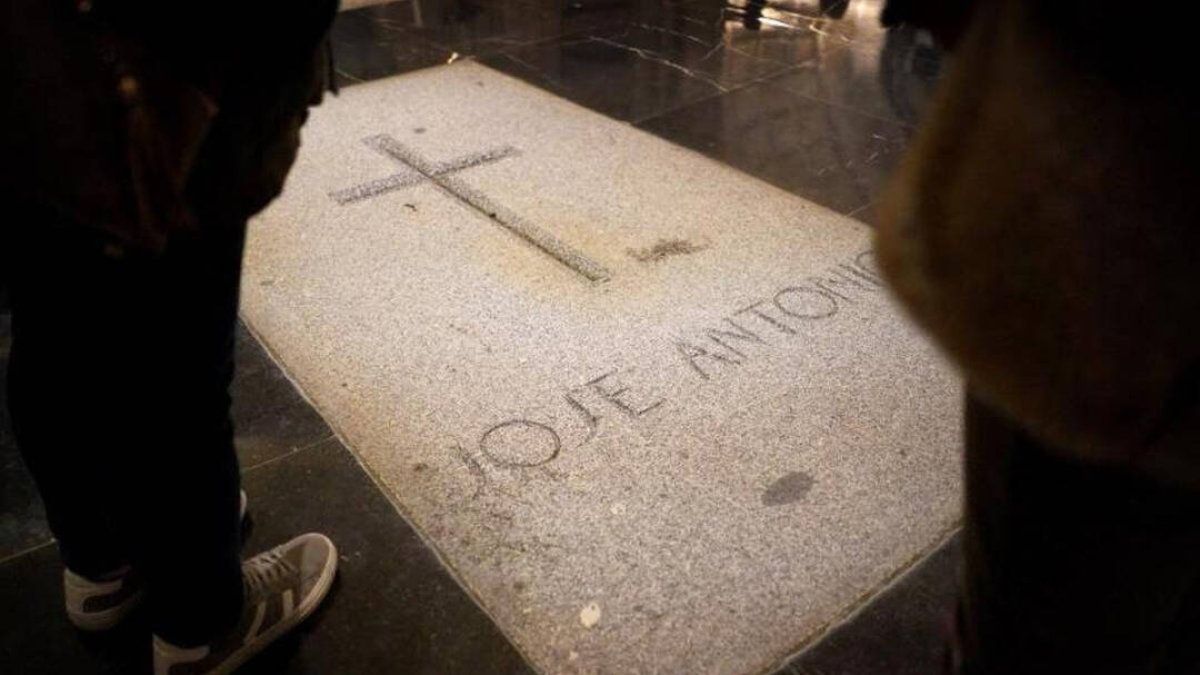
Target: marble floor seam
(28, 551)
(290, 453)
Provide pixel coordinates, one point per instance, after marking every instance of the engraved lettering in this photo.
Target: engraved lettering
(520, 443)
(720, 336)
(754, 309)
(805, 303)
(618, 398)
(693, 354)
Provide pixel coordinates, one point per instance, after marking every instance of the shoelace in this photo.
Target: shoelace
(267, 572)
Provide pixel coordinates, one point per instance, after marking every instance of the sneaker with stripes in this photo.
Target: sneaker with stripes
(284, 586)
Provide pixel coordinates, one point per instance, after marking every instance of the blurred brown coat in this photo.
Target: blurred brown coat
(1044, 230)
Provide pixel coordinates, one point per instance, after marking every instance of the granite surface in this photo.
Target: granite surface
(693, 463)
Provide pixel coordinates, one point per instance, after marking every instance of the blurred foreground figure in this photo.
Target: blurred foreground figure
(1044, 230)
(140, 137)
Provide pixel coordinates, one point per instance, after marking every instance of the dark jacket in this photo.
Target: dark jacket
(123, 116)
(1044, 231)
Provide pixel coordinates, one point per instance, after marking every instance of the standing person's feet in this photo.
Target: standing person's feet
(102, 603)
(284, 586)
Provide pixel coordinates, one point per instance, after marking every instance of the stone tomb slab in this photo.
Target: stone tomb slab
(658, 416)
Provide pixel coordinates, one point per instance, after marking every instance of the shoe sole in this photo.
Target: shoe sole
(305, 610)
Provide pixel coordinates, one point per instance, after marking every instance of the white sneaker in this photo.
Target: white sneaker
(101, 604)
(284, 586)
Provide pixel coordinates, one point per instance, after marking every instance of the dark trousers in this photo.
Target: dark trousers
(118, 389)
(1073, 568)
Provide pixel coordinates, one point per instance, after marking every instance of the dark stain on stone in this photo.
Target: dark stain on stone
(419, 130)
(665, 248)
(789, 489)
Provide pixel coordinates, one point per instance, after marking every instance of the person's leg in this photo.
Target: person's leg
(1072, 567)
(118, 383)
(210, 611)
(191, 547)
(68, 376)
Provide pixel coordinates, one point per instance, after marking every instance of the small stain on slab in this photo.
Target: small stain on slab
(665, 248)
(789, 489)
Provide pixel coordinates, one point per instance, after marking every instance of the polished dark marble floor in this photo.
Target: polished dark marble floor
(810, 95)
(832, 155)
(903, 631)
(590, 69)
(894, 82)
(270, 417)
(395, 37)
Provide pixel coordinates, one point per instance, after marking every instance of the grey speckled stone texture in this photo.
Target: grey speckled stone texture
(692, 467)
